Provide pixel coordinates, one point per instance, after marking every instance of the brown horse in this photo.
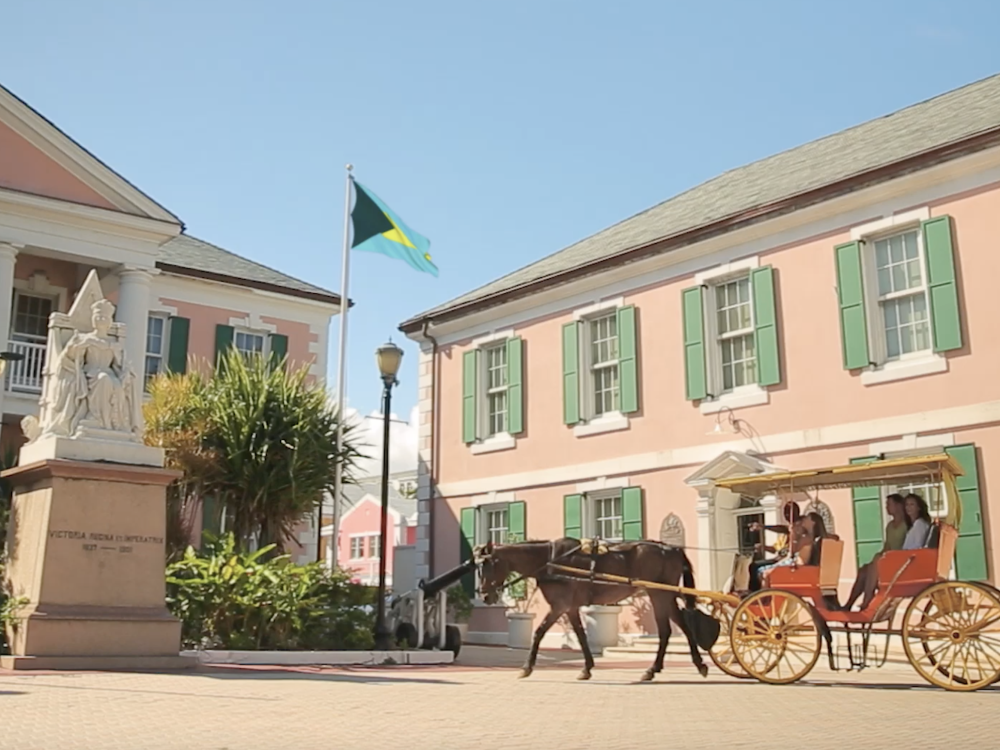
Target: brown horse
(645, 561)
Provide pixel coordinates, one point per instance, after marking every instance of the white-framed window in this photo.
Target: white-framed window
(375, 546)
(899, 318)
(606, 515)
(31, 317)
(156, 346)
(732, 328)
(250, 343)
(497, 525)
(357, 547)
(494, 377)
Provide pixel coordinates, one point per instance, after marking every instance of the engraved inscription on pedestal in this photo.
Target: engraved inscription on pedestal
(91, 403)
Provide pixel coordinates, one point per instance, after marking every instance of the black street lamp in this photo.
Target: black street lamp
(388, 356)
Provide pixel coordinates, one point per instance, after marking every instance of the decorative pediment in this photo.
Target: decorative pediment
(730, 464)
(41, 160)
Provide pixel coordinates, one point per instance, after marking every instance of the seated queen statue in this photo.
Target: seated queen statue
(90, 389)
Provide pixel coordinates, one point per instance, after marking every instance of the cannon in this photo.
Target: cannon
(418, 618)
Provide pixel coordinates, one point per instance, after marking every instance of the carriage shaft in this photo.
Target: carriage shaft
(636, 583)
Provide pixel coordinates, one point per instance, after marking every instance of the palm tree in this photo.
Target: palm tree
(255, 437)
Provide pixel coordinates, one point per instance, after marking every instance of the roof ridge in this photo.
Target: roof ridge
(759, 188)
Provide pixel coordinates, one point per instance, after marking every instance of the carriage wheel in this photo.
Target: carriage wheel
(722, 652)
(957, 628)
(774, 636)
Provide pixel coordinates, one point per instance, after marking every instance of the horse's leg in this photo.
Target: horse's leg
(662, 619)
(548, 622)
(677, 616)
(581, 635)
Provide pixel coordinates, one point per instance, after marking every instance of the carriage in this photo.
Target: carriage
(950, 629)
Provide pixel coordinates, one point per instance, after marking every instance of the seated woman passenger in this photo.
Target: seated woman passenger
(809, 533)
(895, 533)
(792, 515)
(918, 519)
(920, 522)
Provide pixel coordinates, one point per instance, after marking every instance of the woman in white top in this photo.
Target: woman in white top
(920, 522)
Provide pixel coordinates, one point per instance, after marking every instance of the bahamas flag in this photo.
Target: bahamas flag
(377, 229)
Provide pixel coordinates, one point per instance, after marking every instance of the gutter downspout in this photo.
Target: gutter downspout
(432, 468)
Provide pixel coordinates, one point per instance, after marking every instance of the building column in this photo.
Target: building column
(8, 258)
(426, 491)
(133, 311)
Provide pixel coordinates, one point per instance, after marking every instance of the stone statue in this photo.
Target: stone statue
(90, 389)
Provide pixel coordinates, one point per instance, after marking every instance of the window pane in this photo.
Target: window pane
(496, 526)
(154, 336)
(732, 302)
(897, 263)
(907, 328)
(32, 316)
(739, 362)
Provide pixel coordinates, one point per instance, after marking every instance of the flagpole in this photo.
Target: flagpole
(341, 371)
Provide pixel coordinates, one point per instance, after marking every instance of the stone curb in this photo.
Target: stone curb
(324, 658)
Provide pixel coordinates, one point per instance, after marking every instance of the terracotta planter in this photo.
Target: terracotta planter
(520, 629)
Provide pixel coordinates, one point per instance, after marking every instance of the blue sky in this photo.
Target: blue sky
(501, 131)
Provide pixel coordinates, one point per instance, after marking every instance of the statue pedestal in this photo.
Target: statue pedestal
(86, 544)
(91, 448)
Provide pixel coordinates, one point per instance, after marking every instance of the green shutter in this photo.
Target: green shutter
(628, 370)
(224, 336)
(573, 516)
(516, 521)
(970, 551)
(467, 521)
(632, 528)
(867, 503)
(851, 297)
(516, 533)
(695, 375)
(177, 352)
(470, 377)
(942, 284)
(765, 320)
(515, 387)
(279, 347)
(571, 372)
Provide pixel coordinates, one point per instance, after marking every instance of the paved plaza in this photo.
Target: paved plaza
(479, 703)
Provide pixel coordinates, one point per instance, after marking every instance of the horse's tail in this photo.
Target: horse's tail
(689, 599)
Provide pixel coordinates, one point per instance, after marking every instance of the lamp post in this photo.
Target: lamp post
(388, 356)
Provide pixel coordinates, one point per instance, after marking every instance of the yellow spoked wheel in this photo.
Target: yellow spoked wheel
(774, 636)
(951, 634)
(722, 652)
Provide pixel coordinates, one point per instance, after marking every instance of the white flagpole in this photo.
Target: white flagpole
(341, 371)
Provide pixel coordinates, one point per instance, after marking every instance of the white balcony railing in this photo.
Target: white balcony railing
(26, 376)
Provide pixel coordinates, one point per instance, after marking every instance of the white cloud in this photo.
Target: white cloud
(367, 437)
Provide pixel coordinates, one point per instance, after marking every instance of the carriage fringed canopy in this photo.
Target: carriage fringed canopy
(935, 468)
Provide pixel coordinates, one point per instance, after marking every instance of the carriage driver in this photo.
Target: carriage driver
(792, 515)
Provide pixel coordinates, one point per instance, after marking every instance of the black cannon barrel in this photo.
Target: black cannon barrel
(431, 587)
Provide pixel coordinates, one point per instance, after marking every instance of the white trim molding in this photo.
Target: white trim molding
(502, 441)
(751, 395)
(492, 338)
(603, 483)
(904, 369)
(725, 270)
(612, 421)
(939, 420)
(598, 307)
(891, 221)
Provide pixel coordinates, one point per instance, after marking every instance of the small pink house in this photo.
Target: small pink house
(359, 549)
(831, 303)
(63, 212)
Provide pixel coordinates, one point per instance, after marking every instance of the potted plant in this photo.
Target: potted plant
(601, 624)
(520, 618)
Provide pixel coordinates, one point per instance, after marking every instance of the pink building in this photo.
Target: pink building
(63, 212)
(828, 304)
(359, 548)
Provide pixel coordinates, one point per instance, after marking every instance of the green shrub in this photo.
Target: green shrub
(228, 599)
(8, 610)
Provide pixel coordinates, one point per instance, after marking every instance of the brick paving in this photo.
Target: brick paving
(479, 703)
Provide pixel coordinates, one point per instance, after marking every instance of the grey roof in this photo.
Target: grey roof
(187, 253)
(931, 124)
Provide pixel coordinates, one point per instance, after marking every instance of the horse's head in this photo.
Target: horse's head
(494, 570)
